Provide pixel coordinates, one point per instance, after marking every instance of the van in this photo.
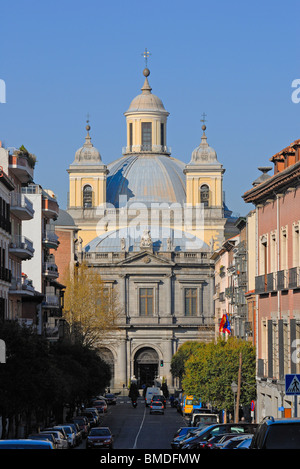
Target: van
(200, 416)
(151, 392)
(189, 404)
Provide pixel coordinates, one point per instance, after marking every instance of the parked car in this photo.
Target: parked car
(69, 432)
(157, 407)
(100, 405)
(44, 436)
(245, 444)
(283, 433)
(216, 441)
(95, 412)
(212, 430)
(92, 419)
(83, 424)
(233, 442)
(61, 440)
(78, 434)
(99, 437)
(26, 444)
(181, 433)
(111, 399)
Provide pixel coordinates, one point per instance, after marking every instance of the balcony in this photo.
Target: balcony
(20, 167)
(21, 247)
(294, 277)
(260, 284)
(20, 206)
(50, 208)
(282, 280)
(21, 286)
(50, 238)
(51, 302)
(160, 149)
(50, 269)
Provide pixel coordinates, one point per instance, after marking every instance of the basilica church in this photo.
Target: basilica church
(149, 223)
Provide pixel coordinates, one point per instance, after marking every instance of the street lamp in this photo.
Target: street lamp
(234, 388)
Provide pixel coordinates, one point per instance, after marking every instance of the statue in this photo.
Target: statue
(146, 241)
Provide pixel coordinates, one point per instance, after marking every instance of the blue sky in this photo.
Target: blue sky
(233, 60)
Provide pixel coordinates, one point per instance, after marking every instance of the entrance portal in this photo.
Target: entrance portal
(146, 366)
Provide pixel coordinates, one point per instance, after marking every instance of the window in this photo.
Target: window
(87, 196)
(204, 195)
(162, 135)
(283, 248)
(130, 135)
(296, 245)
(190, 297)
(146, 136)
(263, 255)
(146, 301)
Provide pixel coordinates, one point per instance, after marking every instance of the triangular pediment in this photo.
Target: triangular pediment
(146, 258)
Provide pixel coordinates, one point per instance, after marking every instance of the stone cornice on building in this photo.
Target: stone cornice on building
(282, 180)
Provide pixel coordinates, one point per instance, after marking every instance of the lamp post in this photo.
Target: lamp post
(234, 388)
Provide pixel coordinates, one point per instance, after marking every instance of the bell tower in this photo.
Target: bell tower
(87, 177)
(204, 187)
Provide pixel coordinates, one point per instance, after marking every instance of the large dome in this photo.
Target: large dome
(146, 179)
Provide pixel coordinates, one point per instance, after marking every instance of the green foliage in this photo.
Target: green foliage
(208, 369)
(38, 376)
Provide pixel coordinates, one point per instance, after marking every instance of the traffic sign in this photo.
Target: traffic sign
(292, 385)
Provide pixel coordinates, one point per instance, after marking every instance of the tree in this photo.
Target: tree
(210, 368)
(90, 308)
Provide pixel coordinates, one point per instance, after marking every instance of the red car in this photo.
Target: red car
(99, 437)
(100, 405)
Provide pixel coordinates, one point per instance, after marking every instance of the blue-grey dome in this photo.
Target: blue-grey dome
(163, 239)
(146, 179)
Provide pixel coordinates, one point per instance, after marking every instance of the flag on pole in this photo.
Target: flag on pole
(225, 324)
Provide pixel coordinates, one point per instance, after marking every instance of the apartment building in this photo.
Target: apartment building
(41, 268)
(6, 187)
(276, 231)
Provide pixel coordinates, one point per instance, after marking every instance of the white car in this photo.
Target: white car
(61, 440)
(69, 432)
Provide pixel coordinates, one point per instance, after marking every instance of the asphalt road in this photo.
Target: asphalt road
(135, 428)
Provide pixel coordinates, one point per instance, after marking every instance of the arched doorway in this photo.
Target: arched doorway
(146, 366)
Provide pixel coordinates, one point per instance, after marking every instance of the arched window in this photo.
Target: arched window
(204, 195)
(87, 196)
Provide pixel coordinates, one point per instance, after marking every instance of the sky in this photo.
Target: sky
(234, 61)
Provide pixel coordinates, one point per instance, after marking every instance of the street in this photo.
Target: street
(135, 428)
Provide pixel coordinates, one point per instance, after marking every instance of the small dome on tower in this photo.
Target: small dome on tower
(146, 101)
(204, 154)
(87, 154)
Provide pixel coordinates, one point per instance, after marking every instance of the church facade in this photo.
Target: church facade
(150, 223)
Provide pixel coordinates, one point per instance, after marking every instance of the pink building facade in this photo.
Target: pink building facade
(277, 280)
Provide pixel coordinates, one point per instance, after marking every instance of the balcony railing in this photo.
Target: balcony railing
(146, 149)
(50, 269)
(20, 166)
(294, 277)
(282, 280)
(50, 238)
(21, 206)
(21, 247)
